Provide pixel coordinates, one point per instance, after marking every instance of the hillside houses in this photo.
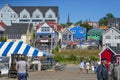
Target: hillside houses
(19, 23)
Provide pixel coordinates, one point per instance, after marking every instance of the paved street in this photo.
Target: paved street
(70, 73)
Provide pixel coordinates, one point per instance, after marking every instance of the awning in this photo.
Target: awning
(69, 43)
(75, 43)
(8, 48)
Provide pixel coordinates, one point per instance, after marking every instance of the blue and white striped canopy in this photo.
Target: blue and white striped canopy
(8, 48)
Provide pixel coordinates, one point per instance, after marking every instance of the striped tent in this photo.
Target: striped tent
(8, 48)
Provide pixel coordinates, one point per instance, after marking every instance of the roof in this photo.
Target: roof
(114, 28)
(77, 27)
(94, 31)
(2, 27)
(31, 9)
(103, 27)
(68, 31)
(18, 28)
(114, 49)
(113, 20)
(8, 48)
(53, 25)
(2, 24)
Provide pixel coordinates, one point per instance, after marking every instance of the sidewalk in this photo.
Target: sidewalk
(70, 73)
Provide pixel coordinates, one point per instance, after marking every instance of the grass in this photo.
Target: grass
(75, 56)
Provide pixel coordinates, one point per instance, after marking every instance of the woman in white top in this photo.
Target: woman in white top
(87, 66)
(81, 65)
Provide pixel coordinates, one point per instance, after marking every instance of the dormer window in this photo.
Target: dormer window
(49, 16)
(24, 16)
(37, 16)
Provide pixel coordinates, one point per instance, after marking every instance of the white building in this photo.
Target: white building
(111, 37)
(28, 14)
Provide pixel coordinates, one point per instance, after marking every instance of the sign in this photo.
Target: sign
(43, 40)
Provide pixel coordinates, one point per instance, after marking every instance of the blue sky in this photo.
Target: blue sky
(77, 9)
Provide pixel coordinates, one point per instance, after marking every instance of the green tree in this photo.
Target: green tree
(63, 25)
(33, 39)
(69, 23)
(86, 25)
(110, 15)
(104, 21)
(78, 23)
(83, 24)
(3, 38)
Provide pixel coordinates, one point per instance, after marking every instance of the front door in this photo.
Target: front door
(118, 60)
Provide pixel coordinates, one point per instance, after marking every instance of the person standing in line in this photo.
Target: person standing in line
(102, 71)
(81, 65)
(22, 67)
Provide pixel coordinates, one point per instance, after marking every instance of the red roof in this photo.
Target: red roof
(39, 25)
(2, 24)
(53, 25)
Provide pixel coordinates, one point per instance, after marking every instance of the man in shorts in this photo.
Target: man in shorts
(22, 67)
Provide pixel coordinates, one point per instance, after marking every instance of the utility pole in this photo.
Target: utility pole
(51, 40)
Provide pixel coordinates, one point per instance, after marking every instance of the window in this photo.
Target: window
(40, 36)
(107, 37)
(73, 31)
(81, 31)
(14, 36)
(117, 37)
(118, 44)
(45, 29)
(69, 37)
(1, 15)
(37, 16)
(49, 16)
(49, 36)
(11, 15)
(64, 36)
(24, 16)
(14, 16)
(108, 44)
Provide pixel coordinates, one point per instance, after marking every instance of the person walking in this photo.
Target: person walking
(87, 66)
(22, 67)
(95, 66)
(102, 71)
(81, 65)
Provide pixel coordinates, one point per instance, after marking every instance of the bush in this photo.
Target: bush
(76, 56)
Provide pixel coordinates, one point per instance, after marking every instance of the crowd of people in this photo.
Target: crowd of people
(87, 65)
(103, 70)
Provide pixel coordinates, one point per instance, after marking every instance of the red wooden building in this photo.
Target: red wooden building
(110, 53)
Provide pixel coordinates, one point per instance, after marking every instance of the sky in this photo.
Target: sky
(76, 9)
